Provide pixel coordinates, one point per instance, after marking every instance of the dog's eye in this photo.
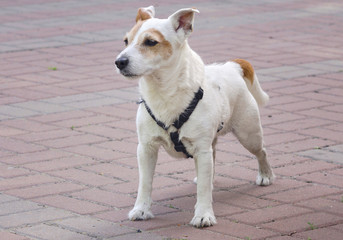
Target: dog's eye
(150, 42)
(126, 41)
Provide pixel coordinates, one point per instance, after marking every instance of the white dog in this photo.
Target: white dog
(187, 105)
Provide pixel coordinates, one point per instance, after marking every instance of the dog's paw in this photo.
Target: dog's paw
(206, 220)
(137, 214)
(265, 179)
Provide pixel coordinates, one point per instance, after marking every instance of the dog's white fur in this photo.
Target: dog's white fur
(167, 84)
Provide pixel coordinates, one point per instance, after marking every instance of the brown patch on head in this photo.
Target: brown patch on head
(248, 70)
(131, 35)
(143, 14)
(162, 48)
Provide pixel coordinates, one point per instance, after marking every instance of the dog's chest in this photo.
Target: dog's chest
(164, 139)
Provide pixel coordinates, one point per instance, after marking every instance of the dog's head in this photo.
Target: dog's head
(154, 43)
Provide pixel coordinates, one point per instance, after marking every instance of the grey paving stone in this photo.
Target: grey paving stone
(122, 94)
(93, 227)
(42, 107)
(323, 155)
(18, 206)
(336, 148)
(6, 198)
(33, 217)
(139, 236)
(95, 103)
(13, 111)
(48, 232)
(73, 98)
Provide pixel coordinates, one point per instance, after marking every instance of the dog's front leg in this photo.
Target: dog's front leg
(147, 157)
(204, 216)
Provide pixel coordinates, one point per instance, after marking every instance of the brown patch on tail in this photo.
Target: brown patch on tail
(248, 70)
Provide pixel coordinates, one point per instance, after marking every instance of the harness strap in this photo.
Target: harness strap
(178, 145)
(174, 136)
(189, 110)
(159, 123)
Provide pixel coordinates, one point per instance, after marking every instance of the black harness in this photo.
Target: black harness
(174, 136)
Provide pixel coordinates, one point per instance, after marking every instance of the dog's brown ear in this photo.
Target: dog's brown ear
(145, 13)
(183, 19)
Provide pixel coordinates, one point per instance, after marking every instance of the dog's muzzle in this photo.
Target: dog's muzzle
(122, 63)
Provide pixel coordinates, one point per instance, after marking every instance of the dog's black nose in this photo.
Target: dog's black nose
(122, 62)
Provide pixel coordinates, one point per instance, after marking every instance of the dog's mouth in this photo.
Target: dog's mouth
(129, 74)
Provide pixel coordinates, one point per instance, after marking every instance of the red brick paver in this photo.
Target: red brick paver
(68, 167)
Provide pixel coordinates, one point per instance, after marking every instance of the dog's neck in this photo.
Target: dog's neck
(169, 90)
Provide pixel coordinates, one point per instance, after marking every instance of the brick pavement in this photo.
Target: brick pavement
(67, 123)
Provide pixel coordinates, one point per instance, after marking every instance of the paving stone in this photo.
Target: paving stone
(241, 230)
(296, 146)
(323, 155)
(139, 236)
(324, 177)
(6, 198)
(46, 231)
(35, 156)
(42, 107)
(182, 190)
(301, 124)
(44, 190)
(319, 113)
(47, 135)
(71, 204)
(29, 125)
(25, 181)
(323, 204)
(97, 152)
(280, 184)
(320, 234)
(162, 221)
(114, 170)
(72, 141)
(93, 227)
(19, 146)
(6, 131)
(115, 216)
(322, 133)
(8, 171)
(105, 197)
(302, 193)
(18, 206)
(60, 163)
(303, 222)
(32, 217)
(304, 168)
(68, 134)
(12, 236)
(185, 232)
(268, 214)
(242, 200)
(84, 177)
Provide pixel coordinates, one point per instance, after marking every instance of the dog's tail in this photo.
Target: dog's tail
(252, 82)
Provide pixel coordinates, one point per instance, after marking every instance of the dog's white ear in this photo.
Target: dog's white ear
(145, 13)
(183, 20)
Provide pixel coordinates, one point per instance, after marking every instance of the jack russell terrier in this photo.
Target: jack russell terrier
(186, 106)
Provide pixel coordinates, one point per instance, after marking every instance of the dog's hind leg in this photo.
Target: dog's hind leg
(247, 128)
(147, 158)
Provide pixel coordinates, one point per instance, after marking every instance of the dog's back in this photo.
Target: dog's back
(230, 75)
